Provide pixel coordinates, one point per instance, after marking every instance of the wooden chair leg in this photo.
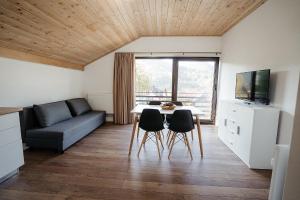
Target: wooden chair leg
(160, 139)
(156, 137)
(192, 134)
(184, 140)
(163, 136)
(172, 141)
(143, 142)
(168, 133)
(188, 145)
(168, 136)
(172, 136)
(138, 133)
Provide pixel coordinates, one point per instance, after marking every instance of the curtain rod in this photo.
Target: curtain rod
(175, 52)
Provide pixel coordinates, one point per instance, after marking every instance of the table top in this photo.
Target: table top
(139, 109)
(7, 110)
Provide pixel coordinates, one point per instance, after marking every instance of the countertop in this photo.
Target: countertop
(7, 110)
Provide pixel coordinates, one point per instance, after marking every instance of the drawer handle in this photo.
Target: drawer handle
(233, 110)
(238, 130)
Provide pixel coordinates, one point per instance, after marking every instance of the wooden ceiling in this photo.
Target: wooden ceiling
(73, 33)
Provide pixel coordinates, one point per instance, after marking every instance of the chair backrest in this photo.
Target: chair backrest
(154, 103)
(182, 121)
(151, 120)
(177, 103)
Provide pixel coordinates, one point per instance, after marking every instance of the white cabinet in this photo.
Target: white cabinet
(11, 149)
(250, 131)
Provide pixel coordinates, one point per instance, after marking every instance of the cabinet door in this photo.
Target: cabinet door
(10, 135)
(223, 122)
(8, 121)
(244, 121)
(11, 156)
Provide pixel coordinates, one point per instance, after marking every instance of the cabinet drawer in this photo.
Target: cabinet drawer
(232, 126)
(9, 120)
(10, 135)
(11, 156)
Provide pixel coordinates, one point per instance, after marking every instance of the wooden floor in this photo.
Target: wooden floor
(98, 167)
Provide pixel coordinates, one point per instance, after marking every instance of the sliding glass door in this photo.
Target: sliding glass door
(192, 81)
(153, 80)
(196, 85)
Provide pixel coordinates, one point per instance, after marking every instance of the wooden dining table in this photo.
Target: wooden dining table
(137, 111)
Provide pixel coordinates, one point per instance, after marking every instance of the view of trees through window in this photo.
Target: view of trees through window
(193, 85)
(153, 80)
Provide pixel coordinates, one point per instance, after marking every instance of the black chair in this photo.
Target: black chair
(181, 123)
(169, 117)
(155, 103)
(152, 122)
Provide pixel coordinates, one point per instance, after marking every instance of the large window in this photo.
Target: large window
(192, 81)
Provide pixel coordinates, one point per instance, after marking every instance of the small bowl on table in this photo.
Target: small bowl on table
(168, 106)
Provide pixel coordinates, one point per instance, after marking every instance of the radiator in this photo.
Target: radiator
(279, 165)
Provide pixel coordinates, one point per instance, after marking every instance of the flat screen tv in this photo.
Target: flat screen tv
(244, 86)
(261, 86)
(253, 86)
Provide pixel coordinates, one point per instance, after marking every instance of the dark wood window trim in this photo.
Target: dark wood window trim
(175, 80)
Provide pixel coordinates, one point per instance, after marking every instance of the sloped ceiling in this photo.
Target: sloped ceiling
(73, 33)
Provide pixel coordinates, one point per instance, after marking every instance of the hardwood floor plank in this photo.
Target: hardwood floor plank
(98, 167)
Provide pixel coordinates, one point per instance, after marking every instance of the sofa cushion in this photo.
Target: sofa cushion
(78, 106)
(52, 113)
(80, 125)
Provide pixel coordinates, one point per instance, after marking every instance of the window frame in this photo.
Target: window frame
(175, 68)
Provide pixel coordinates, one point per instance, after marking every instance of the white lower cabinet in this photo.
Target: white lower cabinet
(250, 131)
(11, 148)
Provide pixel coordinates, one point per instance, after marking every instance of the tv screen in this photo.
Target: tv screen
(262, 82)
(244, 86)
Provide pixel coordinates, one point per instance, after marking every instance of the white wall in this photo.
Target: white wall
(25, 83)
(98, 76)
(267, 38)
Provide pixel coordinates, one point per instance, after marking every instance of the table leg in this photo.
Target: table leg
(133, 133)
(199, 135)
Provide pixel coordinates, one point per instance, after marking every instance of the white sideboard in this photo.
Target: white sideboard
(11, 148)
(250, 131)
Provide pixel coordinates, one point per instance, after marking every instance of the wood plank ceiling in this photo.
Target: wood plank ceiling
(73, 33)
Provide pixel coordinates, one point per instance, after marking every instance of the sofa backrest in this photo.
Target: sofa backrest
(28, 120)
(49, 114)
(78, 106)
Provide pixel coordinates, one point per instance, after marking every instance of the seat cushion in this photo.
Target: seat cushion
(78, 106)
(66, 129)
(52, 113)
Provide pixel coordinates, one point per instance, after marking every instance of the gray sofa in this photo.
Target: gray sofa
(58, 125)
